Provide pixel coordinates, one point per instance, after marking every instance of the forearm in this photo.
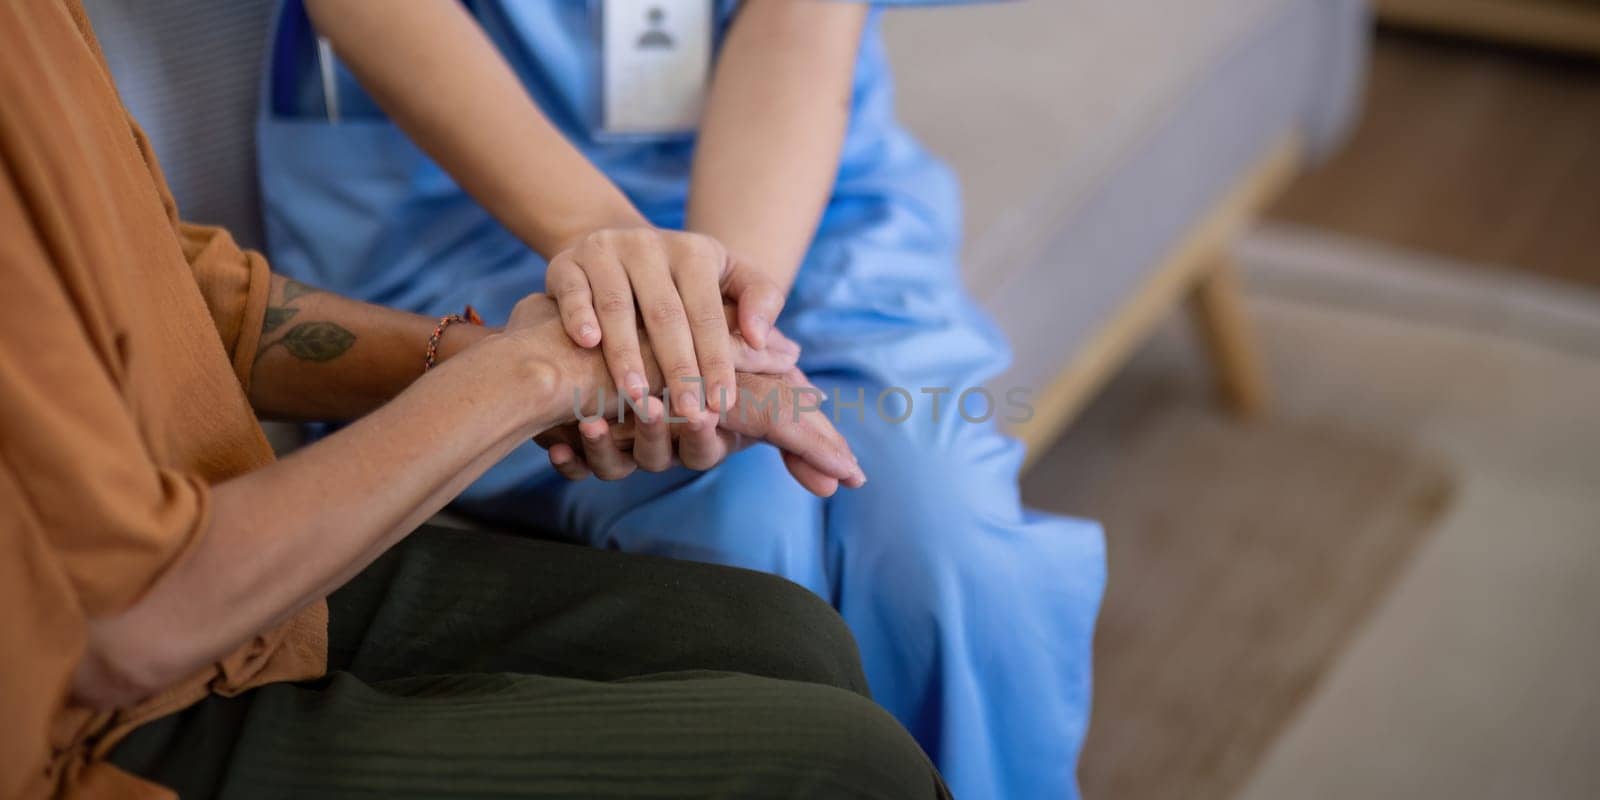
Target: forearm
(286, 535)
(432, 68)
(326, 357)
(773, 129)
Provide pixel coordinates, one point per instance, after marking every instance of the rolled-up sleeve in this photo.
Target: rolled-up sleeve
(234, 283)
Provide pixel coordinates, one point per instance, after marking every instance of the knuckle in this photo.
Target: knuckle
(714, 319)
(664, 312)
(767, 290)
(716, 362)
(697, 251)
(622, 355)
(569, 292)
(680, 365)
(613, 301)
(640, 241)
(706, 246)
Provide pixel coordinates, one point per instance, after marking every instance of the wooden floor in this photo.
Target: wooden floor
(1486, 154)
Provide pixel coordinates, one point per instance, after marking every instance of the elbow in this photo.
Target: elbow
(116, 672)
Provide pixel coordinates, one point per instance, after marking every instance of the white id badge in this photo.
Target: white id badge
(655, 65)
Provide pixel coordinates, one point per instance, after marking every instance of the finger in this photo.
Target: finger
(780, 355)
(561, 434)
(779, 342)
(821, 430)
(758, 298)
(566, 282)
(668, 325)
(613, 302)
(800, 380)
(770, 413)
(808, 477)
(567, 462)
(777, 358)
(695, 273)
(607, 461)
(700, 447)
(561, 445)
(652, 444)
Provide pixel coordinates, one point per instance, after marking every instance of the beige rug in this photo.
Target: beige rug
(1241, 558)
(1386, 589)
(1475, 677)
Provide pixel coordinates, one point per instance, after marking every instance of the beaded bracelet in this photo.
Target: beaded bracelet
(470, 315)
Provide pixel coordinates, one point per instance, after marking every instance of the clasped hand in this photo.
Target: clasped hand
(672, 315)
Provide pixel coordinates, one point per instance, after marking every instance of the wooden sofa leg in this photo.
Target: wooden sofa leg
(1217, 305)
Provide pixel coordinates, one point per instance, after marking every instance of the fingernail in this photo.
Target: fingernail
(688, 404)
(586, 331)
(636, 385)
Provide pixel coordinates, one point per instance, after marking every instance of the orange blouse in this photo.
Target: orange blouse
(126, 339)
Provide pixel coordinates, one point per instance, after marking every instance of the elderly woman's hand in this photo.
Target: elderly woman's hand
(782, 410)
(779, 408)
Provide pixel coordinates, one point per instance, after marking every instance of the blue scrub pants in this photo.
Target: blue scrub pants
(974, 615)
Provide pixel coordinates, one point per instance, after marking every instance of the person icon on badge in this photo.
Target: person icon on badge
(655, 38)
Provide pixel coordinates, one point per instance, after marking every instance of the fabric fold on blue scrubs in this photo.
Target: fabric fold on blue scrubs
(974, 615)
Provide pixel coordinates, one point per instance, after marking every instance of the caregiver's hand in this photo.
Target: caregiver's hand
(814, 452)
(676, 283)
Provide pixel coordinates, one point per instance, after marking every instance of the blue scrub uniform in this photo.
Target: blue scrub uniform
(974, 615)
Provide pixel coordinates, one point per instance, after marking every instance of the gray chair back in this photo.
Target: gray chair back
(190, 71)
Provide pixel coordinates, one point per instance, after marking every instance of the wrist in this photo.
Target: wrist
(457, 338)
(611, 219)
(516, 381)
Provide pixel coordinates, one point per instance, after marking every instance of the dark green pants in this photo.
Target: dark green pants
(467, 665)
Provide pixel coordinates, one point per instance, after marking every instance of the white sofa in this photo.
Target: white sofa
(1111, 150)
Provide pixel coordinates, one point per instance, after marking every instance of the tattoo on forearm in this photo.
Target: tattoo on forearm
(276, 316)
(317, 341)
(293, 289)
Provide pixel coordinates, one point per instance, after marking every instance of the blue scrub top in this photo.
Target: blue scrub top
(552, 45)
(357, 207)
